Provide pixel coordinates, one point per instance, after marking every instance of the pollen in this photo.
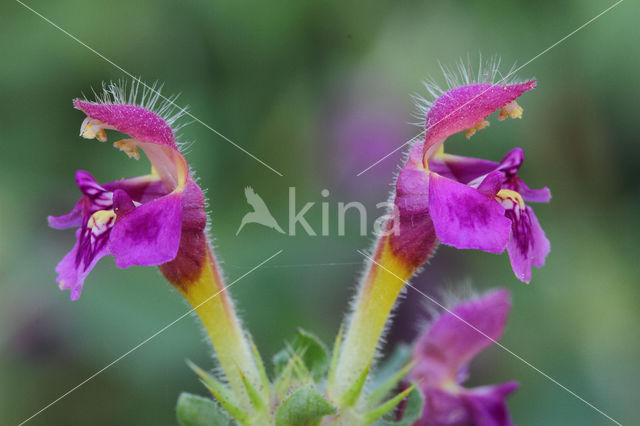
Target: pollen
(129, 147)
(509, 198)
(512, 109)
(93, 129)
(472, 131)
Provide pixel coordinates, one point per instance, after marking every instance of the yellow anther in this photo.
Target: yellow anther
(471, 131)
(93, 129)
(512, 109)
(129, 147)
(510, 195)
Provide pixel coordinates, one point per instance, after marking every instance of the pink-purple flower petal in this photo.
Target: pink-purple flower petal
(141, 189)
(76, 265)
(139, 123)
(465, 218)
(464, 107)
(412, 236)
(73, 219)
(149, 234)
(528, 245)
(486, 405)
(442, 354)
(460, 168)
(460, 334)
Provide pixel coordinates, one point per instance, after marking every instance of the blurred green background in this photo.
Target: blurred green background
(319, 91)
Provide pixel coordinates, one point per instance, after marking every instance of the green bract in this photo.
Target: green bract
(297, 394)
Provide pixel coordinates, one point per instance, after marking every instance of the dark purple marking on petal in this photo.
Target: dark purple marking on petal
(528, 245)
(94, 236)
(94, 198)
(99, 197)
(91, 246)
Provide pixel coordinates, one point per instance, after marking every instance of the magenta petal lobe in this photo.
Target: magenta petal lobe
(91, 245)
(459, 335)
(74, 268)
(528, 245)
(72, 219)
(149, 234)
(465, 218)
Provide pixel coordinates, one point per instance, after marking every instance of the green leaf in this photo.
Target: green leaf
(304, 407)
(351, 395)
(383, 390)
(254, 395)
(385, 408)
(266, 389)
(300, 370)
(412, 411)
(233, 410)
(211, 382)
(221, 394)
(399, 358)
(283, 380)
(194, 410)
(313, 352)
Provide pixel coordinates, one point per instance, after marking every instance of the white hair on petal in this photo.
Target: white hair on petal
(146, 96)
(462, 74)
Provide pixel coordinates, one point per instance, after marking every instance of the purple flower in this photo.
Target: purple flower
(464, 202)
(155, 219)
(442, 354)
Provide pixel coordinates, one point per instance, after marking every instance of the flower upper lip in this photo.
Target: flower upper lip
(465, 107)
(470, 203)
(148, 131)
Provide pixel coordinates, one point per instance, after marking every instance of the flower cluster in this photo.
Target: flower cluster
(468, 203)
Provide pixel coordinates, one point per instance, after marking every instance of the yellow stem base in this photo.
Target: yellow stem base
(377, 296)
(208, 296)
